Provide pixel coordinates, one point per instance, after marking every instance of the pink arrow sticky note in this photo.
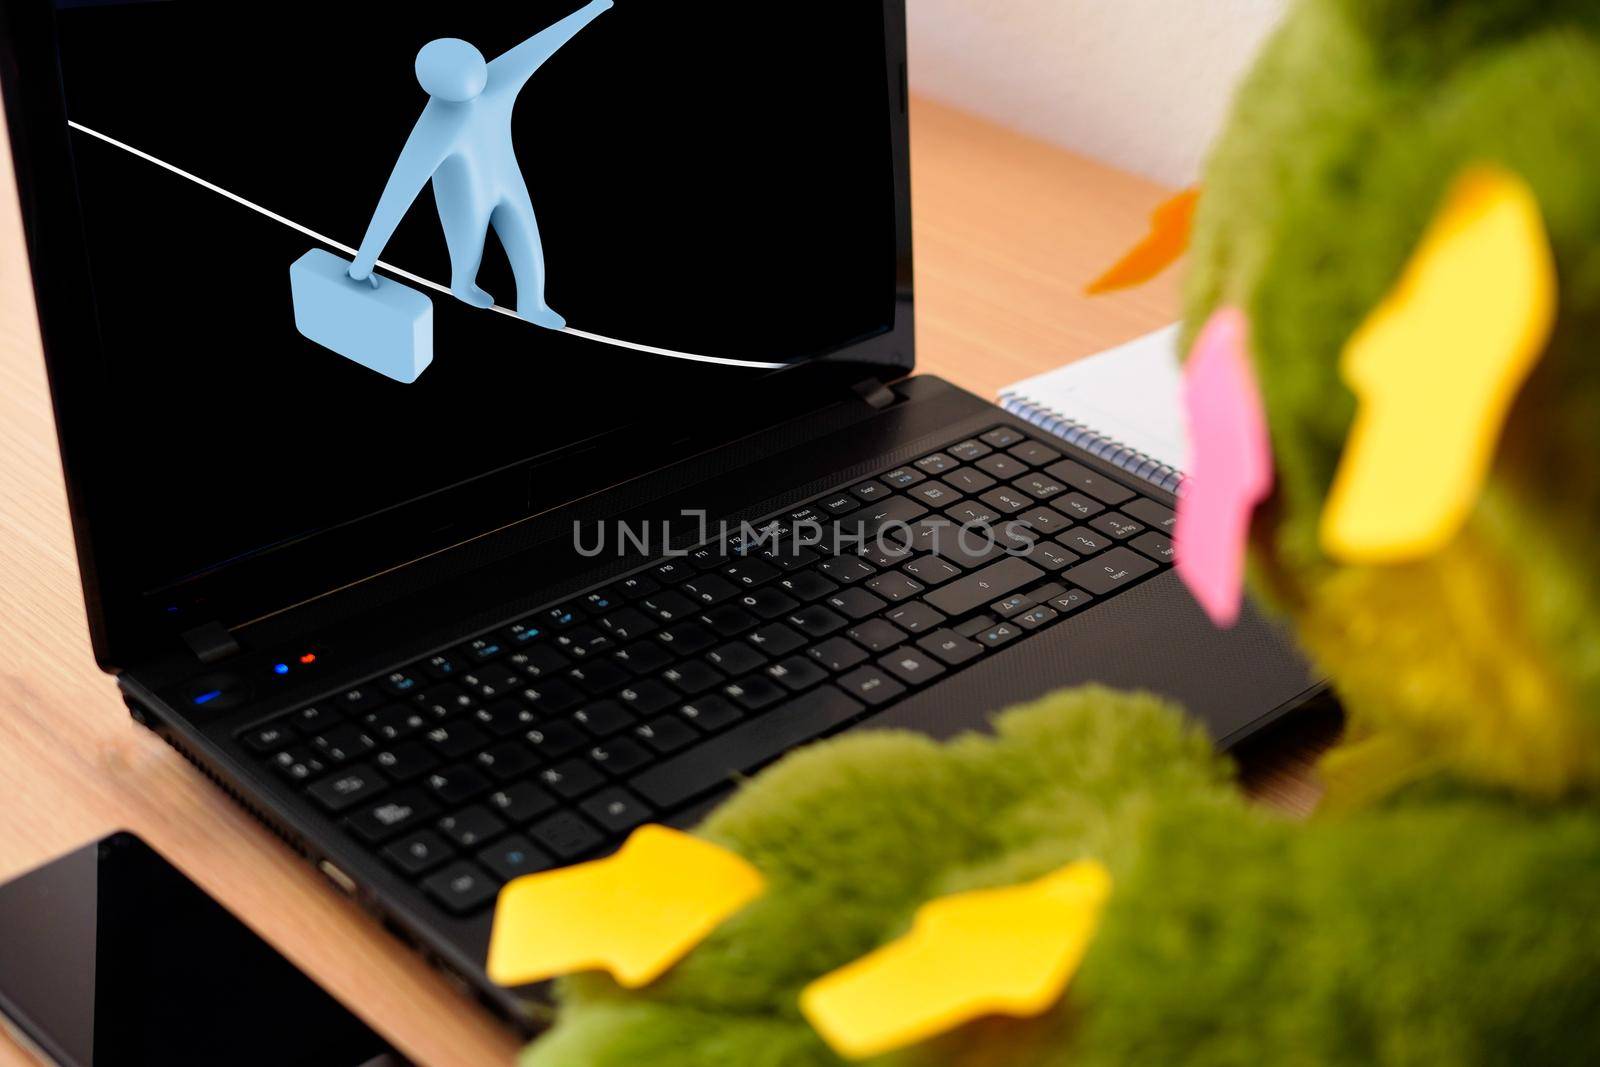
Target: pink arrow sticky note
(1230, 465)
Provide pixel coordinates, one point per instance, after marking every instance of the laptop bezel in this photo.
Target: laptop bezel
(125, 625)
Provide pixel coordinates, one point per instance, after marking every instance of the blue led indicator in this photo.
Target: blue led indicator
(280, 668)
(206, 698)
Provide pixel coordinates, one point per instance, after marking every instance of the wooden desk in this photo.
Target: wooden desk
(1007, 231)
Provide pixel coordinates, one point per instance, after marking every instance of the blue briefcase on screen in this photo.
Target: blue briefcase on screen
(381, 324)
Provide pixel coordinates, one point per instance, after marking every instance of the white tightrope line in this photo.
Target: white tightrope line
(392, 269)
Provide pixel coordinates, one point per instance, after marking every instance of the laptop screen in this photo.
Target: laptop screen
(345, 254)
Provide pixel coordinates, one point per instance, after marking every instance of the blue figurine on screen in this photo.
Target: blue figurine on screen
(462, 143)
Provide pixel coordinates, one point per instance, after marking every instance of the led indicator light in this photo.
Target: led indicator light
(206, 698)
(308, 659)
(280, 668)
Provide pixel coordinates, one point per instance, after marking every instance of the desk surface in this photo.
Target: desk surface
(1008, 230)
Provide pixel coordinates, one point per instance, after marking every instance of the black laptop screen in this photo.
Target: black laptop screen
(701, 192)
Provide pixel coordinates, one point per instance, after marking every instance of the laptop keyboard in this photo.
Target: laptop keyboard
(547, 741)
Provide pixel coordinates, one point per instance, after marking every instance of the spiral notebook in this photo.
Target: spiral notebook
(1123, 405)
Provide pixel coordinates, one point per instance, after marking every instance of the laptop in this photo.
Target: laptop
(621, 487)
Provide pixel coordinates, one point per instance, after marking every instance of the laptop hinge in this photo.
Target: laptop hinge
(211, 643)
(875, 393)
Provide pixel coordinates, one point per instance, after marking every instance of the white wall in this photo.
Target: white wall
(1143, 84)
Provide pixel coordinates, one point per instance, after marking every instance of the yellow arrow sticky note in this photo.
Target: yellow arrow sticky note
(1167, 241)
(991, 952)
(1436, 368)
(635, 914)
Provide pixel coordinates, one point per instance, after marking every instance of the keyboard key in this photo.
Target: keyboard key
(299, 764)
(406, 761)
(949, 647)
(813, 621)
(747, 747)
(1111, 571)
(728, 620)
(808, 586)
(520, 803)
(1045, 521)
(1153, 514)
(709, 589)
(1003, 437)
(541, 661)
(937, 463)
(349, 787)
(492, 681)
(878, 635)
(687, 638)
(392, 816)
(628, 624)
(1084, 541)
(394, 722)
(856, 603)
(344, 742)
(454, 740)
(552, 697)
(915, 618)
(1077, 506)
(982, 587)
(571, 779)
(911, 666)
(710, 713)
(552, 740)
(768, 603)
(1035, 617)
(969, 481)
(646, 697)
(753, 693)
(895, 587)
(620, 757)
(1155, 546)
(471, 827)
(567, 836)
(605, 717)
(584, 641)
(514, 857)
(1050, 557)
(462, 888)
(836, 654)
(884, 552)
(750, 573)
(1040, 486)
(315, 719)
(600, 676)
(904, 477)
(637, 586)
(847, 569)
(523, 633)
(796, 674)
(972, 514)
(936, 494)
(872, 686)
(1035, 454)
(840, 504)
(508, 761)
(931, 570)
(668, 606)
(967, 451)
(483, 649)
(1002, 466)
(1118, 525)
(647, 657)
(776, 639)
(1000, 633)
(976, 625)
(675, 570)
(1085, 480)
(693, 677)
(870, 491)
(736, 657)
(441, 666)
(1013, 605)
(562, 616)
(269, 738)
(456, 784)
(600, 601)
(418, 853)
(665, 734)
(788, 557)
(617, 810)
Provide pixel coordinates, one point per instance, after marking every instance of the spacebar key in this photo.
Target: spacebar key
(747, 747)
(987, 585)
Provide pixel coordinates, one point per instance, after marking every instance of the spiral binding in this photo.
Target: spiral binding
(1113, 452)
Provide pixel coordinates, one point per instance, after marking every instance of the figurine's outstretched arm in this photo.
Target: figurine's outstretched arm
(425, 149)
(518, 65)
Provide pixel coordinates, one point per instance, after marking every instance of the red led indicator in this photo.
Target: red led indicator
(308, 659)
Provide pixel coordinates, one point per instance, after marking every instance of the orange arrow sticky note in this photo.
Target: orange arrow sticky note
(1167, 241)
(1436, 368)
(635, 914)
(991, 952)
